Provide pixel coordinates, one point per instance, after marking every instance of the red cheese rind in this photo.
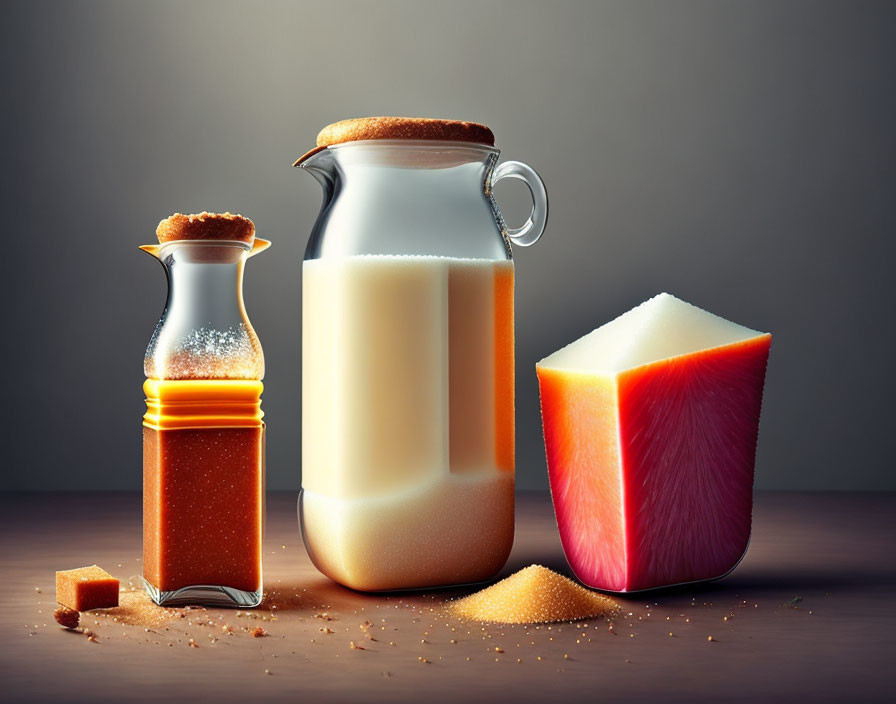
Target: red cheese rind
(581, 443)
(688, 430)
(86, 588)
(652, 472)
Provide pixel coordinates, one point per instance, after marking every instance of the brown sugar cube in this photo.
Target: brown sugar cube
(86, 588)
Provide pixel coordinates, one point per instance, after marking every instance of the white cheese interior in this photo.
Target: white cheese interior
(660, 328)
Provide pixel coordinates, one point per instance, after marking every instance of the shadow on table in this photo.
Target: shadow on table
(753, 581)
(318, 594)
(321, 594)
(768, 581)
(551, 560)
(746, 580)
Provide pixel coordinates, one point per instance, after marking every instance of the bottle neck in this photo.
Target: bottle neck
(204, 332)
(205, 280)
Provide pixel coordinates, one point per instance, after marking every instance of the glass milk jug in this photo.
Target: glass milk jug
(408, 361)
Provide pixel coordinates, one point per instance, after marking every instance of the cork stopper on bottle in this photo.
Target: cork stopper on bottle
(206, 226)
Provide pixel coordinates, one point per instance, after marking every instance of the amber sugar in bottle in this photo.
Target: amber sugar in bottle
(203, 434)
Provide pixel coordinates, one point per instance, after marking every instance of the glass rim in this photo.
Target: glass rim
(247, 246)
(417, 144)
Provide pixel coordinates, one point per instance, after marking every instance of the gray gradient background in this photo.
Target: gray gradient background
(739, 155)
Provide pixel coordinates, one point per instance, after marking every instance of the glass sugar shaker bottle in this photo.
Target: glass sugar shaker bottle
(203, 434)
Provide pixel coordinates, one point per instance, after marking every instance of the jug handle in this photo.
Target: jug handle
(533, 228)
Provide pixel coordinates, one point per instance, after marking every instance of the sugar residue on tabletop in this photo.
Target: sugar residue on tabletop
(135, 608)
(533, 595)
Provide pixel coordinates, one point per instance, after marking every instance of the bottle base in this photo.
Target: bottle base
(205, 595)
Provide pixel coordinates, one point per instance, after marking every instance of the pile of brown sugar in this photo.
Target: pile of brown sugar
(533, 595)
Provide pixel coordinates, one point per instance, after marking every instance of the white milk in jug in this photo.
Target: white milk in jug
(407, 419)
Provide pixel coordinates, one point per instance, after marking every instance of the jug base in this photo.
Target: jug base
(396, 550)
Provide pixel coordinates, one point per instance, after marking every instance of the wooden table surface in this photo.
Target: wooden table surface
(810, 617)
